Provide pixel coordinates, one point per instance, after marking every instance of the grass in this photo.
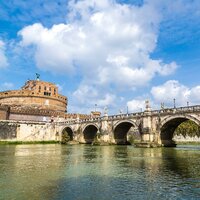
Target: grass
(29, 142)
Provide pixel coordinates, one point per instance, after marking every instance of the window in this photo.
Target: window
(47, 93)
(54, 91)
(45, 88)
(39, 88)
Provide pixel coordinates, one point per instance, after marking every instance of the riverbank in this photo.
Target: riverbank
(73, 143)
(28, 142)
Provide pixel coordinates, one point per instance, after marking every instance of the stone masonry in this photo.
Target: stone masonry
(153, 128)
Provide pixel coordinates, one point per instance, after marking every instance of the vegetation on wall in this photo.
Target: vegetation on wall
(29, 142)
(188, 128)
(65, 138)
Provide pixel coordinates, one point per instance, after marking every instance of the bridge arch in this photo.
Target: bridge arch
(90, 133)
(121, 130)
(169, 125)
(67, 134)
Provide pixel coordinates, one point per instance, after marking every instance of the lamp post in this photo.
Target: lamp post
(187, 103)
(174, 103)
(95, 107)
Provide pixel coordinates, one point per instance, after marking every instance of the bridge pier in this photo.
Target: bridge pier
(105, 132)
(148, 138)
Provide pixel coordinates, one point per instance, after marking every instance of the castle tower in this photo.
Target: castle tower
(36, 98)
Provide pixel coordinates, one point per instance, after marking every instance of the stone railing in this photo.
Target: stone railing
(178, 110)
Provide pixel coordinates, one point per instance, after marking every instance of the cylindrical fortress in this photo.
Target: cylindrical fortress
(35, 96)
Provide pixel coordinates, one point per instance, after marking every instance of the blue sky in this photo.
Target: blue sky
(110, 53)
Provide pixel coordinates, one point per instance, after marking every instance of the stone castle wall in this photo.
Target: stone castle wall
(24, 98)
(36, 101)
(27, 131)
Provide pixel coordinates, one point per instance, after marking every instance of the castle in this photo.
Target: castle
(36, 101)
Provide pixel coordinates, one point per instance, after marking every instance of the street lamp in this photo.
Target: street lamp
(174, 103)
(187, 103)
(95, 107)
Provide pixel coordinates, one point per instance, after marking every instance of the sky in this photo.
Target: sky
(112, 54)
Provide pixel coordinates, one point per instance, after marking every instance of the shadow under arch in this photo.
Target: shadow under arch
(121, 130)
(67, 135)
(90, 133)
(169, 125)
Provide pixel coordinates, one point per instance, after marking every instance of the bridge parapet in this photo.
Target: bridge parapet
(187, 109)
(98, 119)
(166, 111)
(128, 115)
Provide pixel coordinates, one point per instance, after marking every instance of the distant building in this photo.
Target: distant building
(37, 100)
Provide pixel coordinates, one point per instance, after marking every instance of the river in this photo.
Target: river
(81, 172)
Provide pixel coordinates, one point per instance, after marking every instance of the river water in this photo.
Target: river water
(82, 172)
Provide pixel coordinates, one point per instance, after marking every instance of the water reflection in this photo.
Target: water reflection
(98, 172)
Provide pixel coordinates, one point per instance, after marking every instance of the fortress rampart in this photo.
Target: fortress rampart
(36, 101)
(29, 99)
(35, 94)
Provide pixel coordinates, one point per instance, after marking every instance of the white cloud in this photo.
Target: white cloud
(107, 44)
(195, 95)
(172, 89)
(136, 105)
(85, 94)
(60, 88)
(100, 39)
(166, 93)
(3, 58)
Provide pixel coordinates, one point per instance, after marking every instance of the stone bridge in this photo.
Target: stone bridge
(148, 128)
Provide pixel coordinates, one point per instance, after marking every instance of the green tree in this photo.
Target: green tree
(188, 128)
